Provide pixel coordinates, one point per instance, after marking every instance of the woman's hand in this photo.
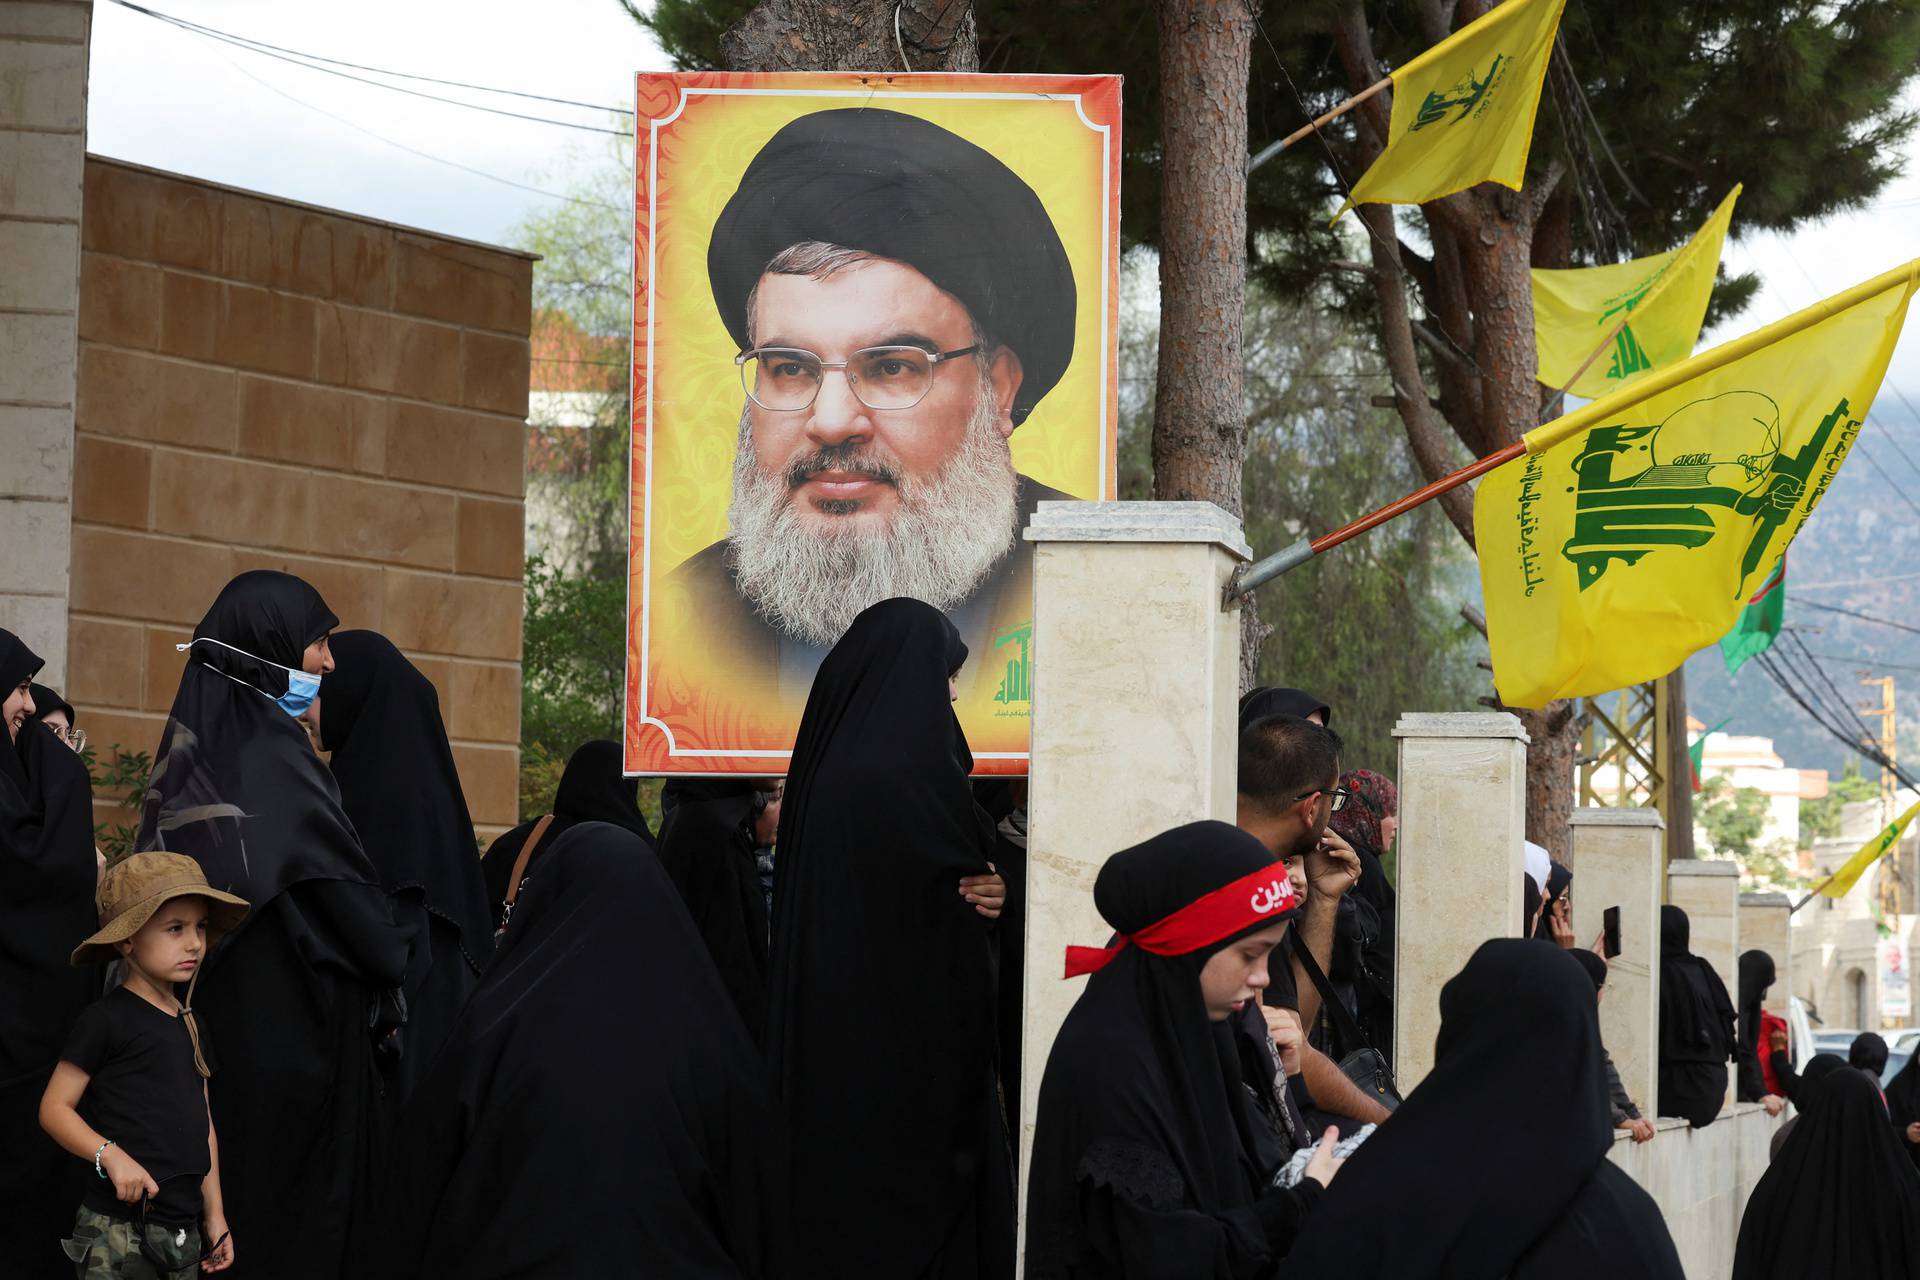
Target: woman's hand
(1642, 1130)
(1774, 1104)
(1284, 1026)
(987, 893)
(1324, 1163)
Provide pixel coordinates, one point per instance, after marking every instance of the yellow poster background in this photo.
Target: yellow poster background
(696, 135)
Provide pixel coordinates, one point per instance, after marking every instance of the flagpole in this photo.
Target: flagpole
(1273, 149)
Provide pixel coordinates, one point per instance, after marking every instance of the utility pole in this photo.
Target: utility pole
(1892, 868)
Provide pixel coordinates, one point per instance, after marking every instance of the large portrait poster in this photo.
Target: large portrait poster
(874, 325)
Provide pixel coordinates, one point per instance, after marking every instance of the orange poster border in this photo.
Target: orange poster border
(658, 99)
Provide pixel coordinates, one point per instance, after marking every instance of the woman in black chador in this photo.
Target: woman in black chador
(708, 846)
(1495, 1167)
(46, 906)
(592, 789)
(298, 997)
(880, 1021)
(1697, 1036)
(380, 723)
(597, 1109)
(1840, 1198)
(1145, 1160)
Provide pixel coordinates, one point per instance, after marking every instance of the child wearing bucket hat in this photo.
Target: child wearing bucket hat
(129, 1094)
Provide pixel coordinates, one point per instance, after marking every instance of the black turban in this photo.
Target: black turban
(900, 187)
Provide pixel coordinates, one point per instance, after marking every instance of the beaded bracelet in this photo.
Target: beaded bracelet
(102, 1151)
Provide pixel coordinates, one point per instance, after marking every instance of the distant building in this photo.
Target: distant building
(1836, 962)
(1750, 761)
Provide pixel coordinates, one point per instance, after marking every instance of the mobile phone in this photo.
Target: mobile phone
(1612, 923)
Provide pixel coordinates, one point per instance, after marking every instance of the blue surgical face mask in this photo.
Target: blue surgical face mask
(302, 688)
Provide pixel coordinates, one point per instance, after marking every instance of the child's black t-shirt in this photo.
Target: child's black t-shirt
(143, 1092)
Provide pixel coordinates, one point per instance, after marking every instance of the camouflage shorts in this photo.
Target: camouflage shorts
(104, 1248)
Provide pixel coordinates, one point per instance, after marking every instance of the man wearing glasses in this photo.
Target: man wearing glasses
(901, 302)
(1288, 789)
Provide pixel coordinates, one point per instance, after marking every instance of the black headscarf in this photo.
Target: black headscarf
(592, 789)
(1840, 1198)
(1143, 1097)
(706, 845)
(597, 1110)
(1594, 964)
(1518, 1082)
(46, 908)
(1756, 975)
(880, 1019)
(1903, 1104)
(1559, 878)
(298, 996)
(17, 663)
(380, 720)
(1258, 704)
(900, 187)
(1529, 899)
(47, 700)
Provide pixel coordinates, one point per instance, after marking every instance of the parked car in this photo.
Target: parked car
(1901, 1043)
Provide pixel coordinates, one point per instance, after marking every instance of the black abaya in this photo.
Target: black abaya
(1496, 1165)
(1903, 1104)
(296, 998)
(380, 722)
(1146, 1159)
(880, 1020)
(46, 909)
(707, 847)
(592, 789)
(1840, 1198)
(1756, 975)
(597, 1111)
(1697, 1037)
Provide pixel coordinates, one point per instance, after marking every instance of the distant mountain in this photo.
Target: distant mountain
(1860, 551)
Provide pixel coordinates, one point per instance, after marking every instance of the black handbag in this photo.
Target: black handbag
(1365, 1066)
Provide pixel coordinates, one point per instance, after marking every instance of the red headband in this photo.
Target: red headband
(1261, 896)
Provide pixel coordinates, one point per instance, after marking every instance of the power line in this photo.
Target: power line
(1872, 754)
(415, 151)
(1864, 617)
(1897, 490)
(1874, 664)
(272, 51)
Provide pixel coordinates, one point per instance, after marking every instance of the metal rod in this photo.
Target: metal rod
(1273, 149)
(1292, 557)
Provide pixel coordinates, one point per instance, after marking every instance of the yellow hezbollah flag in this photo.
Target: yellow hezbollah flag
(1850, 872)
(1664, 298)
(1634, 529)
(1463, 110)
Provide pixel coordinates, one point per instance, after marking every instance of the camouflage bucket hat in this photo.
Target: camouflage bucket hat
(134, 889)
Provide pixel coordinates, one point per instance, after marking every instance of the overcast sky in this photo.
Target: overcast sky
(181, 101)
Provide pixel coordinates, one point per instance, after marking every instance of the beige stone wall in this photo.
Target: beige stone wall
(43, 114)
(267, 385)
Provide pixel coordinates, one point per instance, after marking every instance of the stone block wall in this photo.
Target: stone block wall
(1702, 1179)
(267, 385)
(43, 115)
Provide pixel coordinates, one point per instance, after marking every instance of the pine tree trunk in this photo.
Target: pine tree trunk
(854, 35)
(1199, 418)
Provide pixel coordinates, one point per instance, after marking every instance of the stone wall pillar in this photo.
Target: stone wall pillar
(1462, 822)
(1621, 856)
(1766, 925)
(1136, 685)
(43, 143)
(1708, 890)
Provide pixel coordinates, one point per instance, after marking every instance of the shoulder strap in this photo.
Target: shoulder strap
(526, 852)
(1343, 1021)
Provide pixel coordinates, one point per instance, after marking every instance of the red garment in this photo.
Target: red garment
(1769, 1023)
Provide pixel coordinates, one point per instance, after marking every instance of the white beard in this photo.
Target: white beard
(945, 536)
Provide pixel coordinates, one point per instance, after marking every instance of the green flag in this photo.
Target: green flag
(1696, 753)
(1759, 622)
